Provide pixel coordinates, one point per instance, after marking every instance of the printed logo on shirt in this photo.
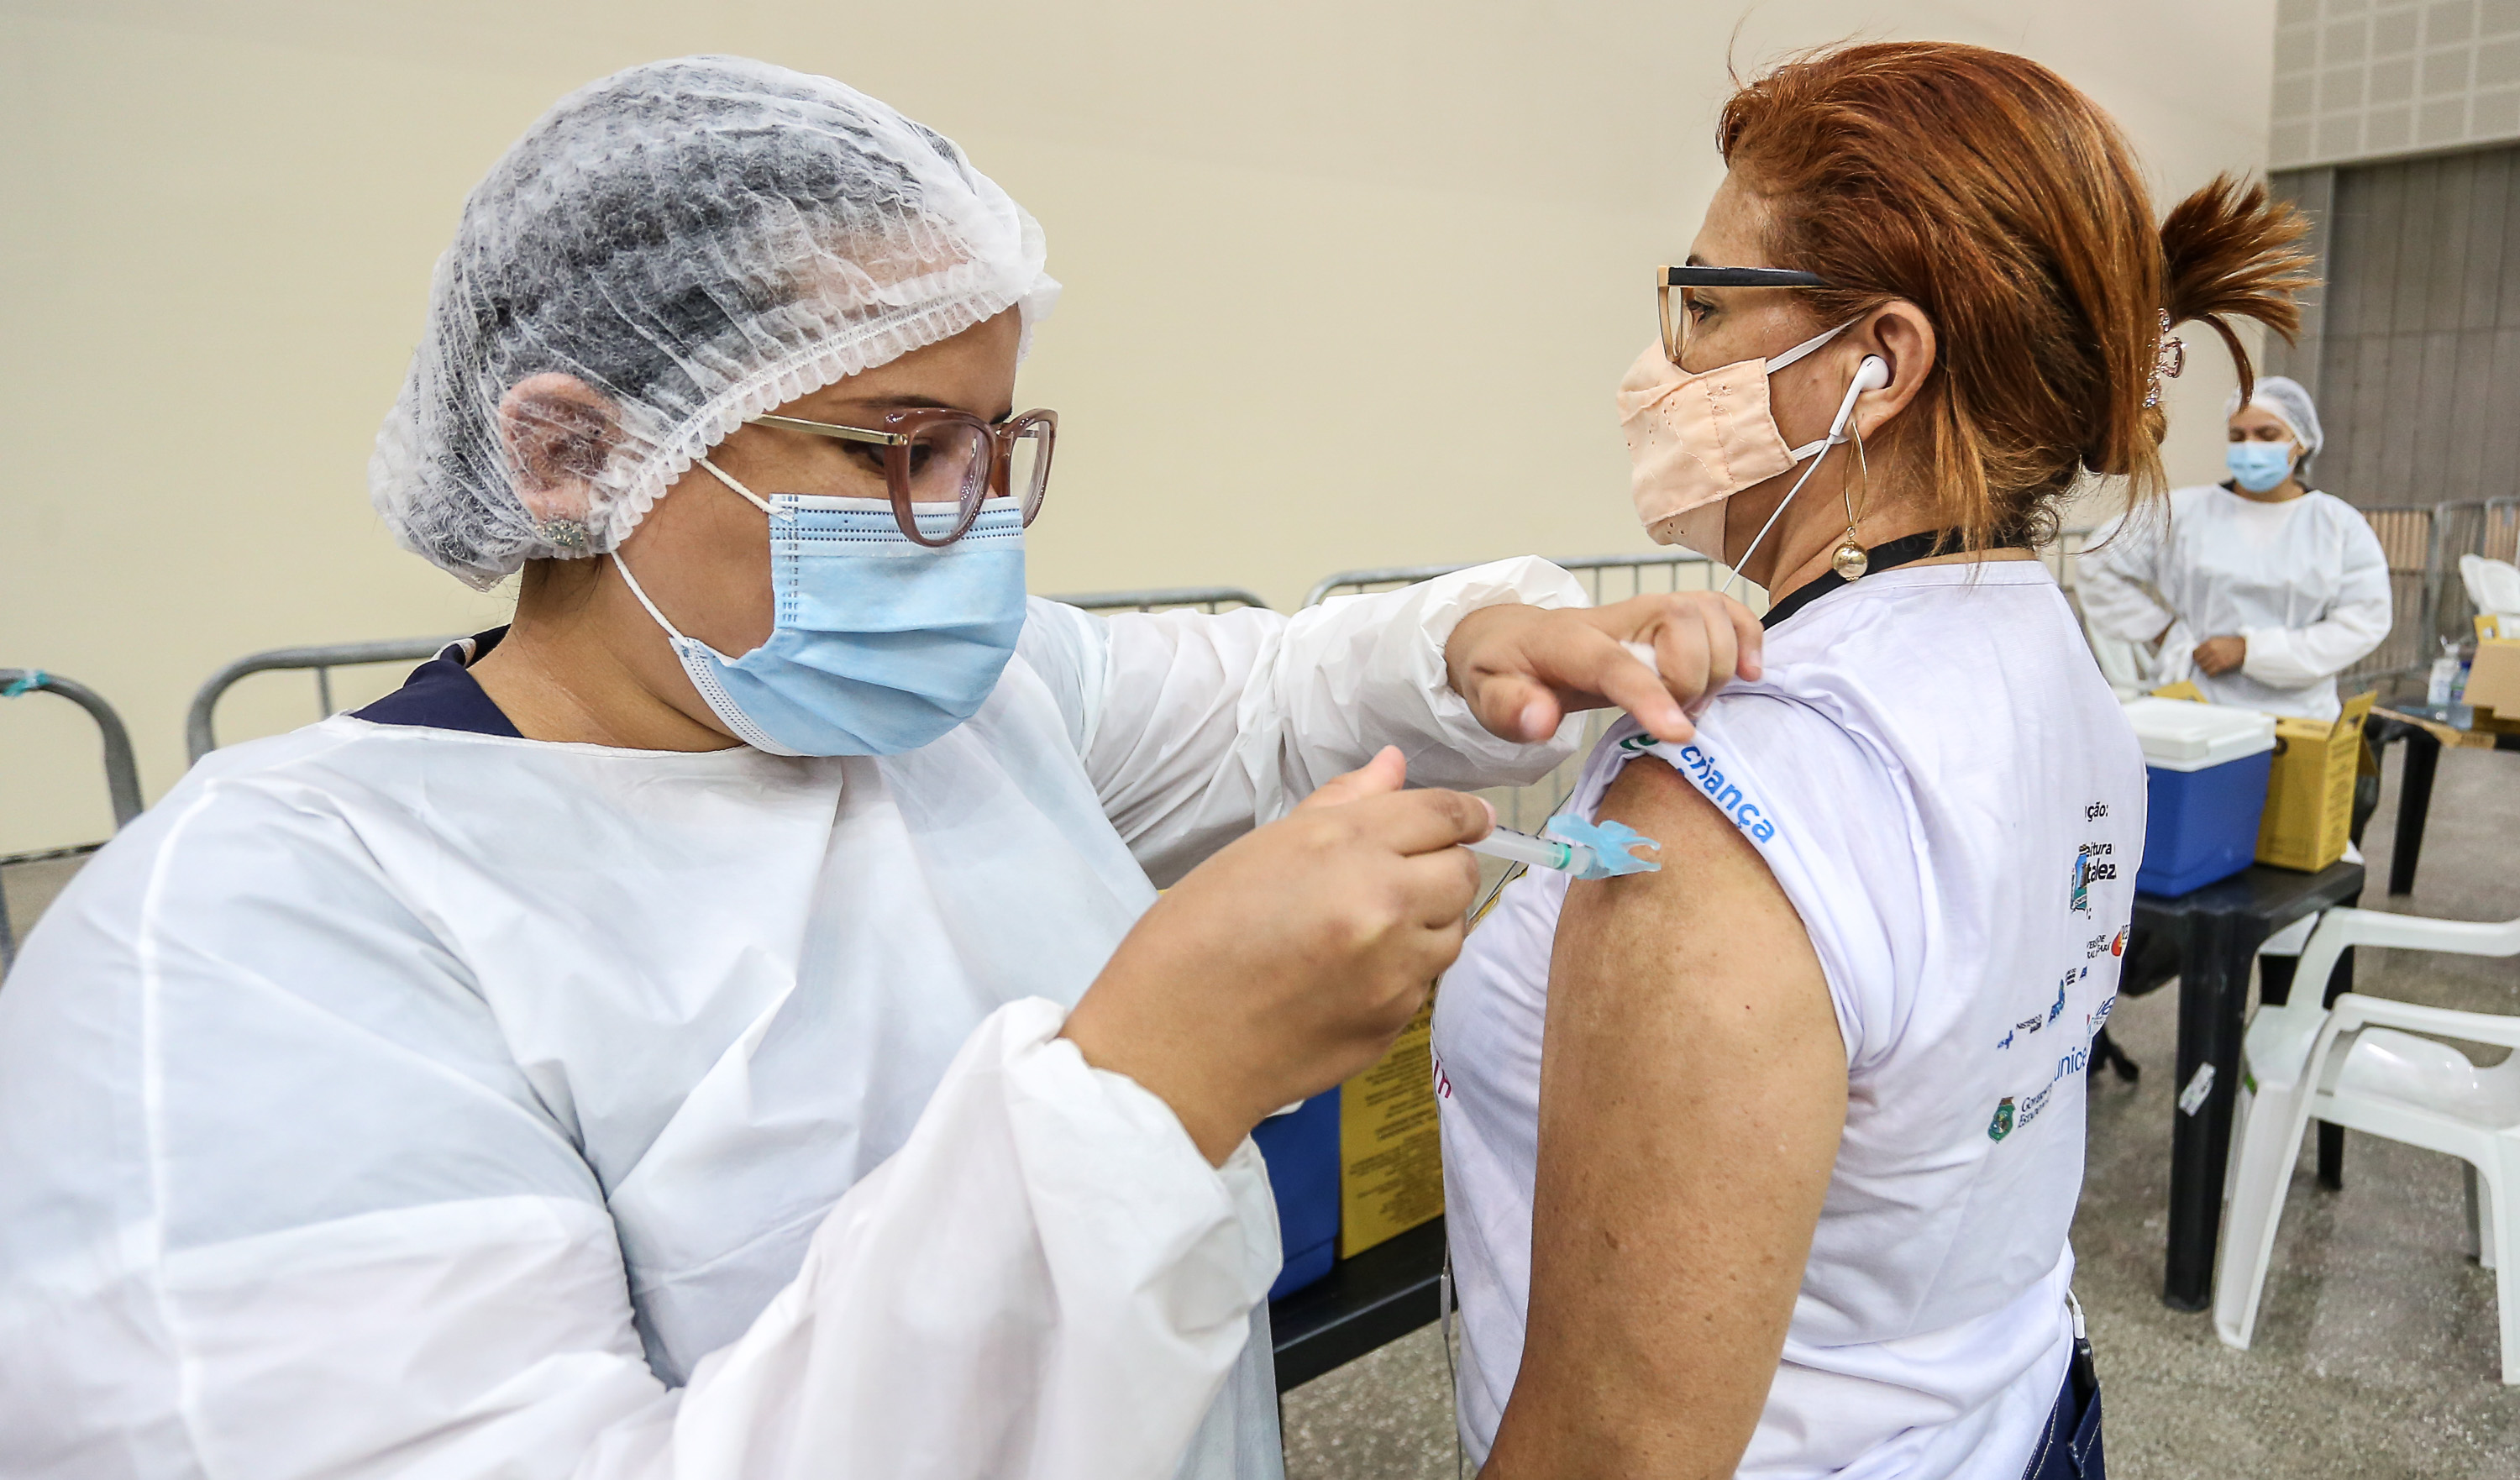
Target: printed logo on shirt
(1639, 744)
(1727, 795)
(2089, 867)
(2099, 1018)
(1443, 1084)
(2117, 946)
(2002, 1125)
(2031, 1107)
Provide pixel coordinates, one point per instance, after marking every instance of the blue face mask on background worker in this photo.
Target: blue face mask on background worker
(2260, 467)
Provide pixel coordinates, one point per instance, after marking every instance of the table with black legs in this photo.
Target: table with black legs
(1379, 1296)
(2218, 929)
(2425, 728)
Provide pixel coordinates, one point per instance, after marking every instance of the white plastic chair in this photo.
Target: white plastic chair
(2373, 1077)
(2493, 586)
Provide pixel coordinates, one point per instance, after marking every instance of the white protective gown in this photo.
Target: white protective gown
(2304, 582)
(394, 1101)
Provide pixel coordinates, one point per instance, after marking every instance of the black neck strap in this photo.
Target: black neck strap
(1880, 558)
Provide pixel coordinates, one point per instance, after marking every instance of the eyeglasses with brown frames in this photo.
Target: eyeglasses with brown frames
(935, 455)
(1675, 327)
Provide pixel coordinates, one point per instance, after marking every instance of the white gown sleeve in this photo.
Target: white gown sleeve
(2355, 623)
(1195, 727)
(1046, 1280)
(275, 1202)
(2119, 578)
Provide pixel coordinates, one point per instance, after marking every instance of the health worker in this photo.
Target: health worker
(1764, 1163)
(723, 1022)
(2260, 590)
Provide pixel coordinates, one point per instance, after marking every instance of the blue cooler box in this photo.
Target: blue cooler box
(2207, 766)
(1302, 1149)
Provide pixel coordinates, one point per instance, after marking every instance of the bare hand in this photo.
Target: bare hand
(1290, 961)
(2218, 655)
(1524, 668)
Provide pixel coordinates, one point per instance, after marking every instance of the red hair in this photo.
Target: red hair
(1995, 196)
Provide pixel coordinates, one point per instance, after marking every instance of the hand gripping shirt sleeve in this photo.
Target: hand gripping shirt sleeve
(1195, 727)
(2356, 620)
(275, 1202)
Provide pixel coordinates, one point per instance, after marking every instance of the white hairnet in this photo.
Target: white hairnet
(698, 240)
(2286, 399)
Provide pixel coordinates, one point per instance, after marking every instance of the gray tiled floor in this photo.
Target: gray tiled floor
(2376, 1351)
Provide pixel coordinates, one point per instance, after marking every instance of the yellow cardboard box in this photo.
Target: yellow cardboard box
(1391, 1155)
(2494, 684)
(2310, 788)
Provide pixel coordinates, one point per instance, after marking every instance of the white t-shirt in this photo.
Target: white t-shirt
(1944, 787)
(2304, 582)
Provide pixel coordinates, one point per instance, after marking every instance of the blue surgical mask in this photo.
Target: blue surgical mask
(2258, 465)
(881, 644)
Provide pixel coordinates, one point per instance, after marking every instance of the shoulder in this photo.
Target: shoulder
(2197, 499)
(1827, 814)
(2329, 507)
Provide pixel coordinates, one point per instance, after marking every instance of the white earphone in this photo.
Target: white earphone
(1873, 374)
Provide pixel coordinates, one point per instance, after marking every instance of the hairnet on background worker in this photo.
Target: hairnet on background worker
(522, 1076)
(2261, 589)
(2288, 402)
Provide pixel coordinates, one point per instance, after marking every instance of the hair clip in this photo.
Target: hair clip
(565, 534)
(2169, 358)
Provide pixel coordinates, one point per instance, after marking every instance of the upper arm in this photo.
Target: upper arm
(2366, 571)
(1692, 1092)
(2119, 578)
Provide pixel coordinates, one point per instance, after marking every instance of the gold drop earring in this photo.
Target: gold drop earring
(1850, 562)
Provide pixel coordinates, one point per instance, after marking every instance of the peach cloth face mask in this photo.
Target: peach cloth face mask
(1695, 441)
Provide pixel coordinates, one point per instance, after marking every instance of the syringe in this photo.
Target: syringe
(1539, 852)
(1605, 853)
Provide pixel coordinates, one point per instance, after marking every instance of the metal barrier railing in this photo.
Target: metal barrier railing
(121, 780)
(2409, 535)
(200, 738)
(2488, 528)
(2499, 537)
(1607, 578)
(1208, 598)
(201, 735)
(1683, 571)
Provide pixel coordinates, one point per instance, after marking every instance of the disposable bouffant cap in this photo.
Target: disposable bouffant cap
(2290, 403)
(695, 241)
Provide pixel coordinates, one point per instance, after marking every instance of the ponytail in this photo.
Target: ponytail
(2231, 252)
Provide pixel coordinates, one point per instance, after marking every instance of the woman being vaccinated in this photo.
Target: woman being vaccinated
(2261, 589)
(642, 1044)
(1764, 1163)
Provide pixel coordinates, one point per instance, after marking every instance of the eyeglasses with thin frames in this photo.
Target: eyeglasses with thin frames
(940, 457)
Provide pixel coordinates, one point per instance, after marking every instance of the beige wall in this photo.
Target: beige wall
(1347, 284)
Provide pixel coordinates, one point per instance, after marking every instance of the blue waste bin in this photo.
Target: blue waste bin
(1302, 1149)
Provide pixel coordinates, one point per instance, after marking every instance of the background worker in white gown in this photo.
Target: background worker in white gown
(2260, 589)
(642, 1044)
